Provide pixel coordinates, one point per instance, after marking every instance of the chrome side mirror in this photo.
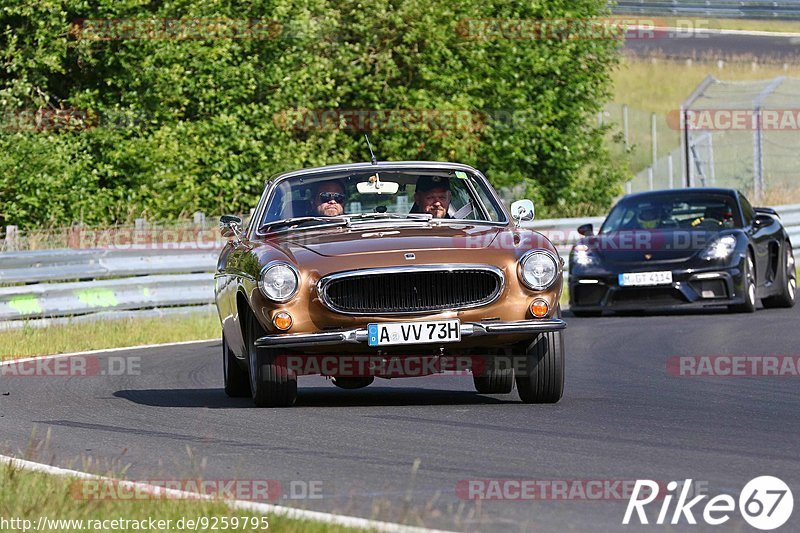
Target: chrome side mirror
(230, 227)
(522, 211)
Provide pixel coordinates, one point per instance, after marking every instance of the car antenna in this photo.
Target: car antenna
(371, 153)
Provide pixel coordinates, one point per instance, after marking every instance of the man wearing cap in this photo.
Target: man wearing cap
(432, 195)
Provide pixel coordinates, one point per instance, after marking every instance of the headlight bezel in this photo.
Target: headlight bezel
(271, 265)
(529, 256)
(709, 252)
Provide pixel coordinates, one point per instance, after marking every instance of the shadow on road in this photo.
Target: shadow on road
(314, 397)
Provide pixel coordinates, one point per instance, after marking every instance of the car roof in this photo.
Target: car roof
(688, 191)
(380, 165)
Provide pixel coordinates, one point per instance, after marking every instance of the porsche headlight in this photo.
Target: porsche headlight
(538, 270)
(720, 248)
(582, 256)
(279, 281)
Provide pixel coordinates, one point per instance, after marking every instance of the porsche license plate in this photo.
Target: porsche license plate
(644, 279)
(414, 332)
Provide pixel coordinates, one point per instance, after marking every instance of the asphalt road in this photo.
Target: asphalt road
(623, 417)
(699, 45)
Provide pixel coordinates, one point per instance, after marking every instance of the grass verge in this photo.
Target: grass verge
(781, 26)
(28, 495)
(117, 333)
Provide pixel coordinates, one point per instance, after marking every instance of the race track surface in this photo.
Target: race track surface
(699, 45)
(623, 417)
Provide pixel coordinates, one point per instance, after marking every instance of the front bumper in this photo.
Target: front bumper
(691, 288)
(360, 336)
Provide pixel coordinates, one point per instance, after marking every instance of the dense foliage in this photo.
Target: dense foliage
(104, 130)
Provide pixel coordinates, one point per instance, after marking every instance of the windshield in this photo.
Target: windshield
(674, 211)
(369, 195)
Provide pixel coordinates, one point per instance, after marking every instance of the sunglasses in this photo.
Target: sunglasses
(325, 197)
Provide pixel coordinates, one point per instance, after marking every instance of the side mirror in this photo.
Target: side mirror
(522, 211)
(230, 227)
(587, 230)
(762, 220)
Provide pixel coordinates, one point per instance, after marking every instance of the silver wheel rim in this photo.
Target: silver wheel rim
(751, 284)
(790, 274)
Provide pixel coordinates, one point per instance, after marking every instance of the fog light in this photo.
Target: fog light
(539, 308)
(282, 320)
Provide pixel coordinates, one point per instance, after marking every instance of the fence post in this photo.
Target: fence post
(670, 172)
(758, 159)
(12, 238)
(625, 130)
(650, 178)
(654, 134)
(200, 220)
(628, 187)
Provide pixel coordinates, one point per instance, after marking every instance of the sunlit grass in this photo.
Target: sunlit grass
(26, 495)
(102, 334)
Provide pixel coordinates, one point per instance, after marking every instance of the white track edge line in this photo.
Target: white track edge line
(102, 350)
(263, 508)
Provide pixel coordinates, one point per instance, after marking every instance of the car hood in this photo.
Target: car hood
(371, 245)
(634, 246)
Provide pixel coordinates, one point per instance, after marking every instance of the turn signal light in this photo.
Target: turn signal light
(282, 320)
(539, 308)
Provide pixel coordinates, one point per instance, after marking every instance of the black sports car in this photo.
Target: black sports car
(683, 248)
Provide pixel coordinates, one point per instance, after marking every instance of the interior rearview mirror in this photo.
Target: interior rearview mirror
(375, 186)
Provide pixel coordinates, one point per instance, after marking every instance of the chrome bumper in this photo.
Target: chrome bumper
(359, 336)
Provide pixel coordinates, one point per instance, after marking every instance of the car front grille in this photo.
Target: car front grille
(406, 290)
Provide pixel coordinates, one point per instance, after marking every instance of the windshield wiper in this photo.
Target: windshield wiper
(388, 216)
(299, 220)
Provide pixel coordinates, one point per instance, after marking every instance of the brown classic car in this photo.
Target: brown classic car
(388, 270)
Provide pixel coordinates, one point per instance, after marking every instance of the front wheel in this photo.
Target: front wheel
(540, 376)
(749, 305)
(494, 381)
(237, 384)
(788, 283)
(272, 384)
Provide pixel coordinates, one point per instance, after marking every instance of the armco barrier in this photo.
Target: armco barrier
(41, 286)
(758, 9)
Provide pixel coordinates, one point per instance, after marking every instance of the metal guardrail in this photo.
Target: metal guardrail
(753, 9)
(40, 287)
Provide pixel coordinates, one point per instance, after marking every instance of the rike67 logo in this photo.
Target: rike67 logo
(765, 503)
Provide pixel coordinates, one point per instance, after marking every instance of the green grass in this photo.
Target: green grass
(30, 495)
(107, 334)
(786, 26)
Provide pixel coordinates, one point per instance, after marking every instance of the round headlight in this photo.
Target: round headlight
(279, 281)
(538, 270)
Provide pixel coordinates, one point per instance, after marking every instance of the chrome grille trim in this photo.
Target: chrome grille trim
(325, 282)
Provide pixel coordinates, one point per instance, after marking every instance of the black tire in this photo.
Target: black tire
(587, 314)
(353, 383)
(237, 382)
(749, 305)
(787, 281)
(494, 381)
(540, 376)
(271, 382)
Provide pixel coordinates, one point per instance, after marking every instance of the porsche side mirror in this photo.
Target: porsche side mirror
(522, 211)
(230, 226)
(587, 230)
(762, 220)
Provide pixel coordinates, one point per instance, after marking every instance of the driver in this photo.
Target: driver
(328, 198)
(648, 217)
(432, 195)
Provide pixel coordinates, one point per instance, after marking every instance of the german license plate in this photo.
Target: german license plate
(389, 333)
(643, 279)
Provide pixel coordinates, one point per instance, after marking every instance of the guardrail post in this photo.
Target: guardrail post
(12, 237)
(650, 178)
(670, 172)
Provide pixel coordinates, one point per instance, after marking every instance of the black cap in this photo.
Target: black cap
(426, 183)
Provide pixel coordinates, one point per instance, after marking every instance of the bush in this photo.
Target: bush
(165, 127)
